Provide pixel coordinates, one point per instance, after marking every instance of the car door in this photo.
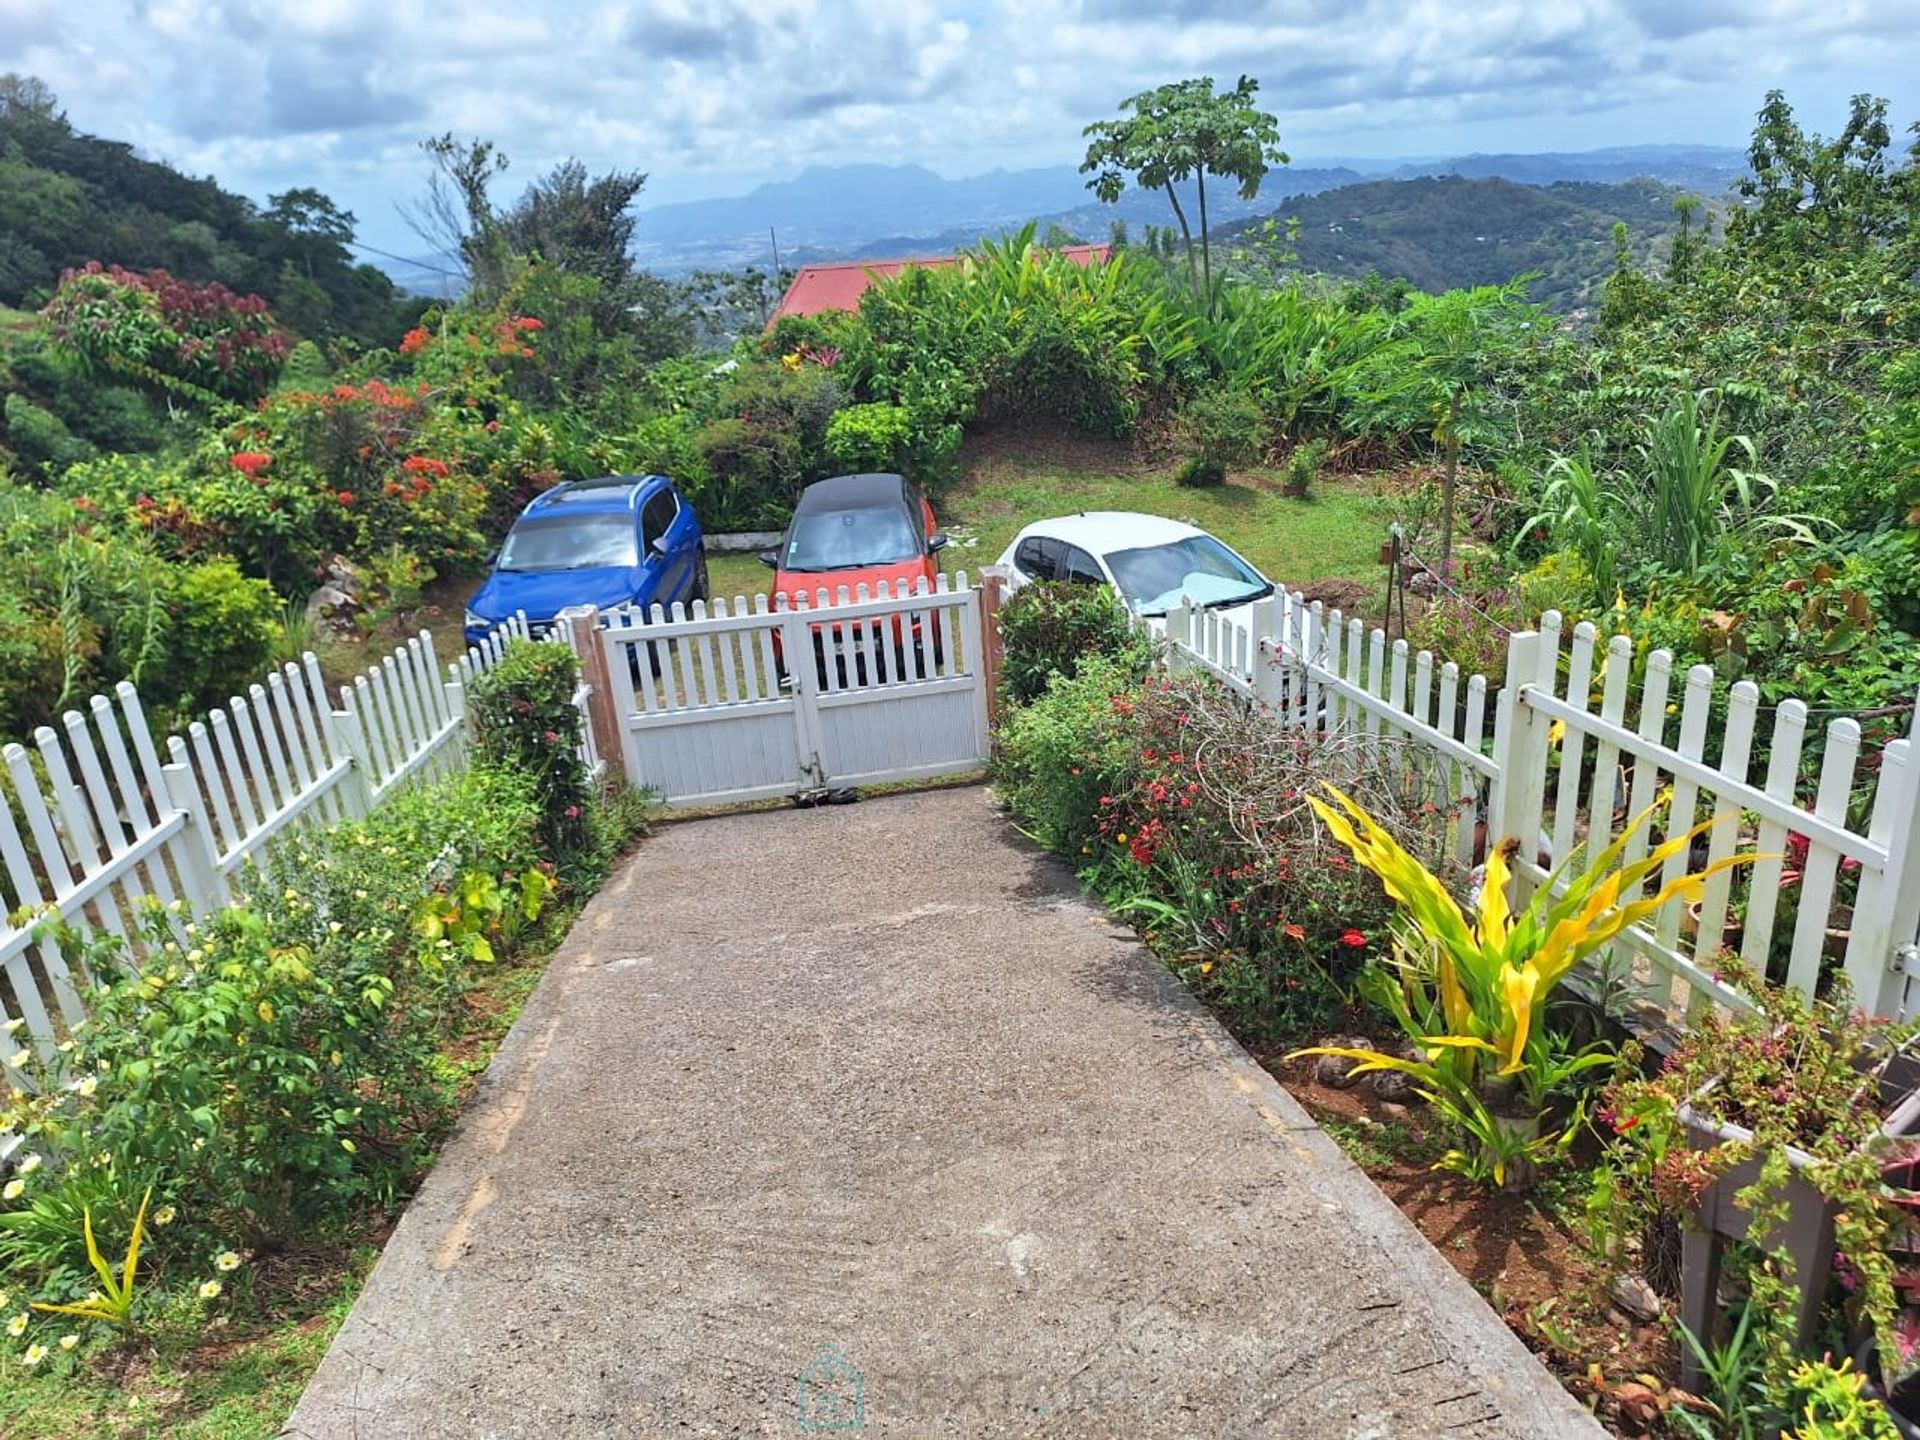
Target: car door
(668, 559)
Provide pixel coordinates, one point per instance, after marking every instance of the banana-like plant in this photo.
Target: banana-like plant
(1470, 993)
(115, 1305)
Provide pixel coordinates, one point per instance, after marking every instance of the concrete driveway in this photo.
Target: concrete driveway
(859, 1121)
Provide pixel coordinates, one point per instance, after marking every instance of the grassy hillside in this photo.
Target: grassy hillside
(1448, 232)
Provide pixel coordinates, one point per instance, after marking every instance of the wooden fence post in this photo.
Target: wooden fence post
(581, 625)
(1886, 913)
(993, 650)
(358, 788)
(1520, 748)
(199, 851)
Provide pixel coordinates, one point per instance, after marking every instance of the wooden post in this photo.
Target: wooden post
(199, 851)
(993, 592)
(582, 629)
(1521, 747)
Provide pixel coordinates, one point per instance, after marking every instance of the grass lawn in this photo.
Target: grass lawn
(1335, 535)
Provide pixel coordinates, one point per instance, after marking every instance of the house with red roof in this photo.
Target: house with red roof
(819, 288)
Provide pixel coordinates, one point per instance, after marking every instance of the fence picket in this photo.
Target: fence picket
(1823, 861)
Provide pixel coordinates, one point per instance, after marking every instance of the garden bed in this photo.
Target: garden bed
(1524, 1252)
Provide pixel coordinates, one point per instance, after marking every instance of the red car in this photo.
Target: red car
(855, 530)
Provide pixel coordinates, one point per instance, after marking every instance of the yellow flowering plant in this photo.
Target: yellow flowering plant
(115, 1304)
(1470, 991)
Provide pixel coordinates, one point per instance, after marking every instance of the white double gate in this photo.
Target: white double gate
(749, 702)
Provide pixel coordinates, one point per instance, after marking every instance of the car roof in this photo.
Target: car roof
(608, 493)
(853, 492)
(1104, 531)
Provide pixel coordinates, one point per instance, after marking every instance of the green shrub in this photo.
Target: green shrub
(1303, 468)
(755, 470)
(524, 720)
(1056, 628)
(222, 633)
(870, 437)
(1221, 428)
(266, 1068)
(1198, 472)
(1056, 756)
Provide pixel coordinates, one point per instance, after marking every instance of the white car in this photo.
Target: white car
(1151, 562)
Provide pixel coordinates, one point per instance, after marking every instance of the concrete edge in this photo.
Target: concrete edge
(1514, 1376)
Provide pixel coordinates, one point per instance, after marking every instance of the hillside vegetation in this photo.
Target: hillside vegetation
(1725, 465)
(1448, 232)
(67, 198)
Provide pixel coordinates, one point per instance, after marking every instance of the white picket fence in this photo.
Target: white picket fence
(1585, 735)
(99, 821)
(738, 702)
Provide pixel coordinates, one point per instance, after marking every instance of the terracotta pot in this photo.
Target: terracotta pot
(1732, 930)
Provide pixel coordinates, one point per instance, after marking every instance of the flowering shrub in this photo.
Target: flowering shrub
(1794, 1073)
(270, 1065)
(170, 332)
(1189, 813)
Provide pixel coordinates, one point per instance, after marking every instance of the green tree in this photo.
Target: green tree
(1179, 132)
(1448, 351)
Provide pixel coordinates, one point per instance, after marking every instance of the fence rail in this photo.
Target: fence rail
(94, 822)
(1586, 735)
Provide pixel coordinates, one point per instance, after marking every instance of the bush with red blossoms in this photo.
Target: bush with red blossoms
(1192, 819)
(175, 334)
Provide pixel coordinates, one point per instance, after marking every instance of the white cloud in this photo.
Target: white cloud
(337, 93)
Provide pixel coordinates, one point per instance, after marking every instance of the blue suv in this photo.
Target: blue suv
(621, 540)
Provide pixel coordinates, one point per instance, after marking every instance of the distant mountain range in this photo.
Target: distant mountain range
(873, 211)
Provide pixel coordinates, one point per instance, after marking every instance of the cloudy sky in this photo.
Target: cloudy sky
(710, 96)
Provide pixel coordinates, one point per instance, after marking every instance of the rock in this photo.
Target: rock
(1393, 1110)
(1336, 1071)
(1634, 1297)
(329, 600)
(1390, 1085)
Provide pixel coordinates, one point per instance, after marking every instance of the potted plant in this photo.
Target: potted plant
(1471, 993)
(1772, 1127)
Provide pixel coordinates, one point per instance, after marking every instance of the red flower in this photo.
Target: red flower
(250, 462)
(422, 465)
(415, 339)
(1354, 938)
(1294, 932)
(345, 497)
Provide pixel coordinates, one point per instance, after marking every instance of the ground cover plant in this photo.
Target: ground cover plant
(246, 1110)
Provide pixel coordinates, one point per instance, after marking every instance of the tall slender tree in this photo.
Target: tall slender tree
(1179, 132)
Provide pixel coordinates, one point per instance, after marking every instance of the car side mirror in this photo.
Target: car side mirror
(659, 546)
(769, 559)
(937, 541)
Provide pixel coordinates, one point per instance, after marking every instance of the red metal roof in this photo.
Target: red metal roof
(818, 288)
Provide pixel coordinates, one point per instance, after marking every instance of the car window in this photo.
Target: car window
(1080, 568)
(851, 539)
(657, 516)
(1038, 558)
(569, 542)
(1154, 577)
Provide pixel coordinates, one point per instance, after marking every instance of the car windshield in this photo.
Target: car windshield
(1154, 577)
(573, 542)
(850, 539)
